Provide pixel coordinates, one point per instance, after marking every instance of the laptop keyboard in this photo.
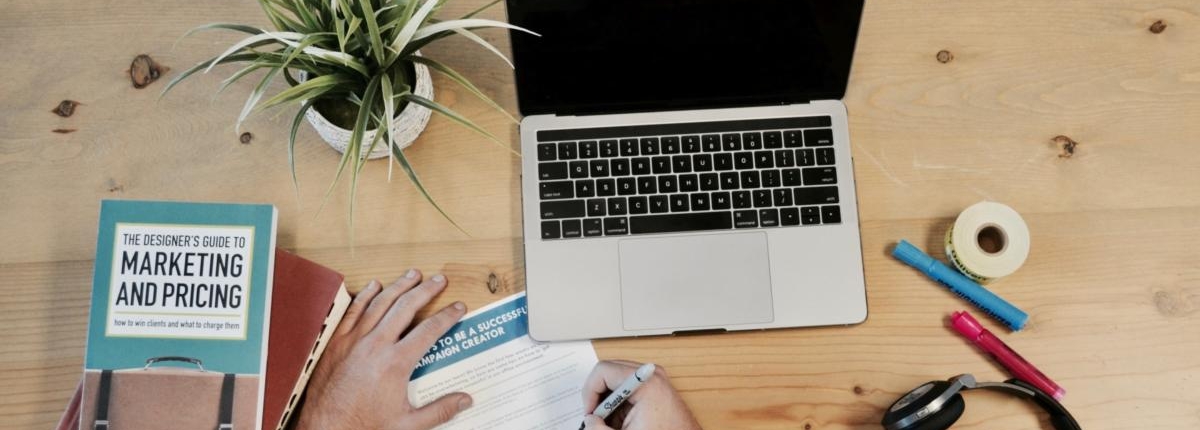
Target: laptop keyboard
(668, 178)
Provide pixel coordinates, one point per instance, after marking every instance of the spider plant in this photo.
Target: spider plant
(357, 59)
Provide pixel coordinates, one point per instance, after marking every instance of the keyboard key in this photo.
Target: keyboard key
(721, 201)
(639, 205)
(818, 137)
(616, 226)
(572, 228)
(640, 166)
(680, 222)
(764, 160)
(731, 141)
(578, 169)
(616, 206)
(831, 215)
(661, 165)
(791, 178)
(743, 160)
(820, 176)
(745, 219)
(782, 196)
(723, 161)
(770, 178)
(679, 203)
(609, 148)
(599, 168)
(750, 179)
(711, 143)
(629, 147)
(729, 181)
(681, 163)
(606, 187)
(762, 198)
(589, 149)
(816, 195)
(556, 190)
(785, 158)
(567, 151)
(670, 145)
(626, 186)
(620, 167)
(700, 202)
(792, 139)
(649, 146)
(596, 207)
(659, 204)
(752, 140)
(550, 171)
(647, 185)
(809, 215)
(585, 188)
(689, 183)
(546, 152)
(824, 156)
(562, 209)
(768, 217)
(805, 157)
(710, 182)
(668, 184)
(691, 144)
(741, 200)
(772, 140)
(789, 216)
(593, 227)
(702, 162)
(550, 230)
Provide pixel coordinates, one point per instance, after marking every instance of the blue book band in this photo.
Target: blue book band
(995, 306)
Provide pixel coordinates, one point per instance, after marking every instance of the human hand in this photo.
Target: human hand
(656, 405)
(361, 381)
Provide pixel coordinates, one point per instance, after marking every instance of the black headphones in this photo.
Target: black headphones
(937, 405)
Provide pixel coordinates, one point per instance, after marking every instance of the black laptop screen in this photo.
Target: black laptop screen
(604, 56)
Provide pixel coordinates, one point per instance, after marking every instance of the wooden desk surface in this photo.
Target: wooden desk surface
(1112, 283)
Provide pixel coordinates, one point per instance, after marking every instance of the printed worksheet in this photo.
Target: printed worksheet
(516, 382)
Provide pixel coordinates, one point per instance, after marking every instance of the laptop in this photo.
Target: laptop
(687, 166)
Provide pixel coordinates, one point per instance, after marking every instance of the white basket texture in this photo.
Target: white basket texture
(409, 123)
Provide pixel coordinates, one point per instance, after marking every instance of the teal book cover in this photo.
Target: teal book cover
(177, 334)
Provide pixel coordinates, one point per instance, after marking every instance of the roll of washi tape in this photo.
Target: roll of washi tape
(988, 241)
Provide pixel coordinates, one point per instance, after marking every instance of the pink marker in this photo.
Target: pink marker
(967, 326)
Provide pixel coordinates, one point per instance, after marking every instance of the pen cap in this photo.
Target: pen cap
(966, 325)
(909, 254)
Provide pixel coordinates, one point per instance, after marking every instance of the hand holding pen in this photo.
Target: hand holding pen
(636, 399)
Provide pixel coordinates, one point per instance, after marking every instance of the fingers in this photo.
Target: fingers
(361, 300)
(416, 342)
(606, 376)
(384, 301)
(439, 411)
(592, 422)
(401, 314)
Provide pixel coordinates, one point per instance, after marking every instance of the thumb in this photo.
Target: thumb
(441, 410)
(592, 422)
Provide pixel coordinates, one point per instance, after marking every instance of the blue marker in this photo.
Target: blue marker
(995, 306)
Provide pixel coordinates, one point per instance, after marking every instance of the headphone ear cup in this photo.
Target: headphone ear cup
(944, 418)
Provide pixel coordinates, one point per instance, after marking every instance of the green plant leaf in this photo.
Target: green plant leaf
(469, 23)
(416, 181)
(411, 27)
(238, 75)
(218, 26)
(205, 64)
(255, 96)
(308, 104)
(266, 36)
(479, 40)
(356, 136)
(389, 114)
(306, 90)
(377, 49)
(461, 80)
(445, 111)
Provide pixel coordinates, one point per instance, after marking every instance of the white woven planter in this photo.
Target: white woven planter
(409, 124)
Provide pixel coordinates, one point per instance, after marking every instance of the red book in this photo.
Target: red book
(308, 302)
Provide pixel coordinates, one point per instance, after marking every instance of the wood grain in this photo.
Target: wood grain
(1112, 283)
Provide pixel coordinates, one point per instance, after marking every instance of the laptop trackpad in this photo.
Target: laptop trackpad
(685, 282)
